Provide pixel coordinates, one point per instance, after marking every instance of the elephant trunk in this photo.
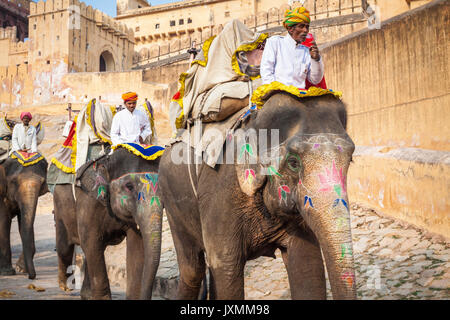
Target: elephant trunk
(151, 230)
(337, 248)
(27, 197)
(325, 208)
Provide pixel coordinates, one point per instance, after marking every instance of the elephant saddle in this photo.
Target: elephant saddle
(27, 159)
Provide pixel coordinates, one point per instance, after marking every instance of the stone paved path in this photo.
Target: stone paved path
(46, 264)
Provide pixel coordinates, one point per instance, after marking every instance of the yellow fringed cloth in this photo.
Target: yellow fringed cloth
(263, 92)
(27, 159)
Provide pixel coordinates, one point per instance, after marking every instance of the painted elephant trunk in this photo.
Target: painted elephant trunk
(151, 230)
(27, 199)
(324, 201)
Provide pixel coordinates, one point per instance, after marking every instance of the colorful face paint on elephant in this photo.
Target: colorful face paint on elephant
(136, 193)
(325, 199)
(311, 177)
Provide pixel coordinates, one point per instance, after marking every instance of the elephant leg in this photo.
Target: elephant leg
(90, 230)
(26, 265)
(135, 264)
(85, 292)
(65, 255)
(5, 242)
(191, 264)
(228, 281)
(304, 265)
(20, 263)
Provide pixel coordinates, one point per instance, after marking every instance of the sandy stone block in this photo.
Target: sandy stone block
(441, 284)
(408, 244)
(422, 245)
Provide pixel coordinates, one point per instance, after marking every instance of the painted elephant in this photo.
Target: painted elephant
(20, 188)
(117, 196)
(291, 195)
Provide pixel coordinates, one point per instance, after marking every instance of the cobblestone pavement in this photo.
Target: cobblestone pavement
(393, 261)
(46, 264)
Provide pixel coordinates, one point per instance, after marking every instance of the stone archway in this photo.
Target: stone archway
(106, 62)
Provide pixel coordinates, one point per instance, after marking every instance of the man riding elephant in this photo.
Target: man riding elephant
(87, 221)
(130, 124)
(287, 59)
(24, 135)
(22, 182)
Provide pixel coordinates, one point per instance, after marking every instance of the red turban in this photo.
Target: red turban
(23, 114)
(129, 96)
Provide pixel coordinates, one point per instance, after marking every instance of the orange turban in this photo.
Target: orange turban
(129, 96)
(296, 15)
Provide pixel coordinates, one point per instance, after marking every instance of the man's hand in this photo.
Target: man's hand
(314, 51)
(141, 141)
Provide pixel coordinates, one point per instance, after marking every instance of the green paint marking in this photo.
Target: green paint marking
(272, 170)
(123, 198)
(155, 199)
(338, 189)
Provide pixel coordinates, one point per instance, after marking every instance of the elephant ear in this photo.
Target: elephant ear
(250, 178)
(254, 170)
(248, 169)
(94, 180)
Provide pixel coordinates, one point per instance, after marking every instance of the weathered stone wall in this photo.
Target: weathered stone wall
(155, 37)
(396, 85)
(396, 80)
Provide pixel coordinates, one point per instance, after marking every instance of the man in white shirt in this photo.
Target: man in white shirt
(286, 59)
(24, 135)
(130, 125)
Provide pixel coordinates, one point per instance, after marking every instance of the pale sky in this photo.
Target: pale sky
(109, 6)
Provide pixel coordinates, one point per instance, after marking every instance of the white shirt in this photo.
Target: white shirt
(24, 140)
(291, 64)
(128, 127)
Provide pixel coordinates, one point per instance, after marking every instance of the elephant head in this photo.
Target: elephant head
(302, 178)
(128, 186)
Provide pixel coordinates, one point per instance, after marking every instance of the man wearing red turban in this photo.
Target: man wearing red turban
(130, 125)
(24, 135)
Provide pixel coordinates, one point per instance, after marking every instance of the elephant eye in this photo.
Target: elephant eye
(129, 186)
(294, 162)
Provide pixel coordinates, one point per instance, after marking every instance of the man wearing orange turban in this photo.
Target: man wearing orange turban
(130, 125)
(288, 59)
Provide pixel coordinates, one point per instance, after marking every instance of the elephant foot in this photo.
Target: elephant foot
(7, 272)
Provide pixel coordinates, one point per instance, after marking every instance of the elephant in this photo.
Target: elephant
(116, 197)
(20, 188)
(290, 196)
